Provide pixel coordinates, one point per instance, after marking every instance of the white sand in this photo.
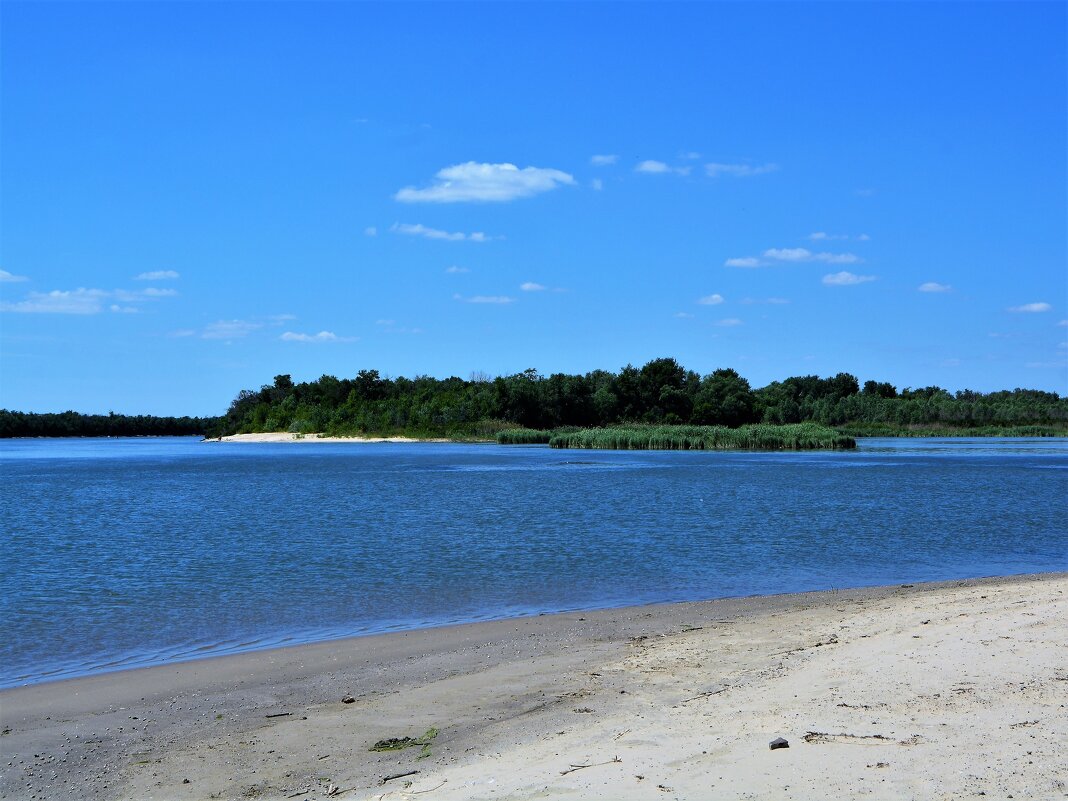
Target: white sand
(948, 691)
(285, 437)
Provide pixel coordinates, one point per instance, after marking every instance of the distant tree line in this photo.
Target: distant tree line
(661, 392)
(72, 424)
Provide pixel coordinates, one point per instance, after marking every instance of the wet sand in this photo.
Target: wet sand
(948, 690)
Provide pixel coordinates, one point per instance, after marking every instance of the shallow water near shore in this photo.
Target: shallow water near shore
(126, 552)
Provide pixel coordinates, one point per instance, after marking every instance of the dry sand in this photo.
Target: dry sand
(285, 437)
(939, 691)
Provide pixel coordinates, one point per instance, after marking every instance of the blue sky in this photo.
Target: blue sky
(196, 197)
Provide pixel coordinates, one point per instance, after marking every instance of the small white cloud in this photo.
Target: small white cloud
(652, 167)
(8, 278)
(604, 161)
(370, 230)
(158, 275)
(229, 329)
(1063, 324)
(715, 170)
(455, 270)
(729, 322)
(846, 279)
(530, 286)
(322, 336)
(803, 254)
(122, 309)
(683, 315)
(492, 183)
(863, 238)
(597, 184)
(823, 236)
(419, 229)
(1031, 308)
(690, 155)
(153, 292)
(745, 261)
(711, 300)
(490, 299)
(933, 286)
(76, 301)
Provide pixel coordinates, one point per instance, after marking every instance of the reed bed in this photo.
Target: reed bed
(793, 437)
(523, 436)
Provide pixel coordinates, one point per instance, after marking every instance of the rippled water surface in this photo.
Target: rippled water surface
(125, 552)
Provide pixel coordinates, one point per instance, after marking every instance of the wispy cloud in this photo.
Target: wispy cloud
(158, 275)
(653, 167)
(487, 183)
(933, 286)
(683, 315)
(530, 286)
(8, 278)
(604, 160)
(846, 279)
(823, 236)
(711, 300)
(597, 184)
(729, 322)
(1031, 308)
(85, 301)
(769, 301)
(229, 329)
(690, 155)
(744, 261)
(714, 170)
(418, 229)
(456, 270)
(491, 299)
(322, 336)
(370, 230)
(803, 254)
(1063, 324)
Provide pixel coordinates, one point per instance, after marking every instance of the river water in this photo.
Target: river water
(126, 552)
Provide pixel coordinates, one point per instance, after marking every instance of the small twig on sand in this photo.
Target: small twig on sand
(280, 715)
(301, 792)
(398, 776)
(573, 768)
(706, 694)
(429, 790)
(625, 731)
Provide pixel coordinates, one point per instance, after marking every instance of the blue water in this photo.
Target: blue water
(118, 553)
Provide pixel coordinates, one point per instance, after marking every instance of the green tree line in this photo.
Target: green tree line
(72, 424)
(661, 392)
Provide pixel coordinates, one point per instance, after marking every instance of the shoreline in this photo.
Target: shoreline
(280, 436)
(521, 699)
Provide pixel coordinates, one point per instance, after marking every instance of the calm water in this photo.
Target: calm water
(118, 553)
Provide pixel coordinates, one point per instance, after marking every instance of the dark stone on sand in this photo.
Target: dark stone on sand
(779, 742)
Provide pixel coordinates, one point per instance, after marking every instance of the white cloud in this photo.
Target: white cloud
(322, 336)
(823, 236)
(715, 170)
(76, 301)
(683, 315)
(1063, 324)
(434, 233)
(934, 286)
(846, 279)
(729, 322)
(803, 254)
(530, 286)
(597, 184)
(745, 261)
(604, 161)
(158, 275)
(229, 329)
(492, 299)
(8, 278)
(653, 167)
(455, 270)
(370, 230)
(114, 307)
(863, 238)
(1031, 308)
(493, 183)
(711, 300)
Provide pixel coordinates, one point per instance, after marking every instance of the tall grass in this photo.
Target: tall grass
(794, 437)
(523, 436)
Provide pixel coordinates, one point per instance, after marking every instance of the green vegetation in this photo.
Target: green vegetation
(661, 393)
(72, 424)
(531, 408)
(791, 437)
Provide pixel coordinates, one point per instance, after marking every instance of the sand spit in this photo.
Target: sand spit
(938, 691)
(285, 437)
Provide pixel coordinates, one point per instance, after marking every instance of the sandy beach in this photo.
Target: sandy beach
(286, 437)
(934, 691)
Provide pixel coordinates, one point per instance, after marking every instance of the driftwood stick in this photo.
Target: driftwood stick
(573, 768)
(398, 776)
